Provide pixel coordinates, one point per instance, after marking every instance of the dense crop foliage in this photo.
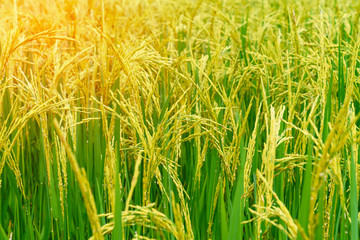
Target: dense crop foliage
(179, 119)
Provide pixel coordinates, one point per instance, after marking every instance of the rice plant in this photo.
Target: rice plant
(179, 119)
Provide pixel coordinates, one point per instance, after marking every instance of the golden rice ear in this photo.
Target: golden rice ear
(85, 189)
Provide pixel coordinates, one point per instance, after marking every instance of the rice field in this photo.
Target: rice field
(179, 119)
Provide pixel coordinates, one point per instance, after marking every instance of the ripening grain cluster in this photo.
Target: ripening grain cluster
(179, 119)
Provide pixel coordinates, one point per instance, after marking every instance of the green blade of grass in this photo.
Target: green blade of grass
(237, 215)
(353, 198)
(118, 232)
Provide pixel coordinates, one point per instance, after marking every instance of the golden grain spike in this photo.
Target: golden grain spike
(84, 186)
